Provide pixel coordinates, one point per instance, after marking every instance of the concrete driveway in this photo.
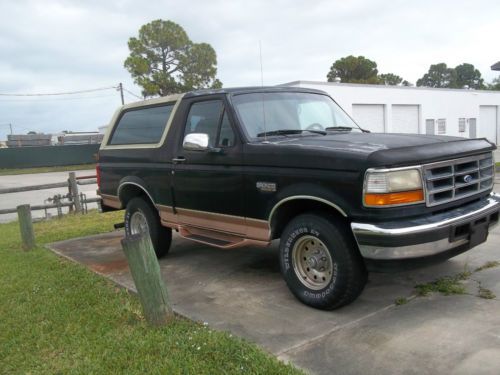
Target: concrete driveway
(241, 291)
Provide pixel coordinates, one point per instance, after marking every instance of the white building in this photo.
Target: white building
(399, 109)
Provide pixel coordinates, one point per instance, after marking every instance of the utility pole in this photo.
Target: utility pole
(10, 125)
(120, 87)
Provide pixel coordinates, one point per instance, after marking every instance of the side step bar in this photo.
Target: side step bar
(217, 239)
(208, 240)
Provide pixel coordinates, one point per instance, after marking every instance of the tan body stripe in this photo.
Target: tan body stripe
(111, 200)
(237, 226)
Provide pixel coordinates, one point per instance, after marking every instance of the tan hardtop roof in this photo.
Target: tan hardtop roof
(161, 99)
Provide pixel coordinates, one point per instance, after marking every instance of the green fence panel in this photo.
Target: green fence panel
(47, 156)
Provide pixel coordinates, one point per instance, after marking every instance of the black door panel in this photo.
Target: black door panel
(209, 180)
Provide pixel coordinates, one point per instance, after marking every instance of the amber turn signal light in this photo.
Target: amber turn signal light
(387, 199)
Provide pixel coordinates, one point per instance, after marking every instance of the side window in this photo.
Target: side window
(226, 136)
(141, 126)
(204, 117)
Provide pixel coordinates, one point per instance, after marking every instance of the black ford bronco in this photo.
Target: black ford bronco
(245, 166)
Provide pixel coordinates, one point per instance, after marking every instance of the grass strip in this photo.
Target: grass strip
(63, 168)
(57, 317)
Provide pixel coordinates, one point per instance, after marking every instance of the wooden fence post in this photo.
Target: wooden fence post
(26, 226)
(74, 192)
(145, 271)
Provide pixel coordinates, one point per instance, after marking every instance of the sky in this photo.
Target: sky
(62, 45)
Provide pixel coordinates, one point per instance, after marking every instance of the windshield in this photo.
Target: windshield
(271, 113)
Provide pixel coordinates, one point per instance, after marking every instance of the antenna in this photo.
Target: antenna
(262, 95)
(261, 70)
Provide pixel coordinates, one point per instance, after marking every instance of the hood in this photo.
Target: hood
(348, 150)
(364, 142)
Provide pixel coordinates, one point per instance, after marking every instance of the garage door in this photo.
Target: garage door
(488, 122)
(369, 116)
(405, 118)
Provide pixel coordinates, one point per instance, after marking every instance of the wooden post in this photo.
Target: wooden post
(145, 271)
(70, 196)
(74, 192)
(26, 226)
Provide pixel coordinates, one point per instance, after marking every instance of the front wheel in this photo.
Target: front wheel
(320, 262)
(141, 217)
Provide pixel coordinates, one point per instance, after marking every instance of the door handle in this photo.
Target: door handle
(179, 159)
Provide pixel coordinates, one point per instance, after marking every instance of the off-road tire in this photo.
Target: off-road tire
(349, 274)
(161, 237)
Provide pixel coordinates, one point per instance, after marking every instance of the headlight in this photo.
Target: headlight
(389, 188)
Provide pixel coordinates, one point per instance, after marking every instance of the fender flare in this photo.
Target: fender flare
(304, 197)
(135, 181)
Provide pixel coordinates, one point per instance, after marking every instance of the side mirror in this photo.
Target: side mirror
(196, 142)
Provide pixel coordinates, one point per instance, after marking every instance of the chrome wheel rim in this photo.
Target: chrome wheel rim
(312, 262)
(138, 223)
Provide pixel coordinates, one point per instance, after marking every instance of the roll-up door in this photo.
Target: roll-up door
(405, 119)
(488, 122)
(369, 116)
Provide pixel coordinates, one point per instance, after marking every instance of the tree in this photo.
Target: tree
(467, 75)
(439, 75)
(495, 84)
(354, 70)
(163, 60)
(390, 79)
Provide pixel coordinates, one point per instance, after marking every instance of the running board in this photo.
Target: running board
(209, 241)
(217, 239)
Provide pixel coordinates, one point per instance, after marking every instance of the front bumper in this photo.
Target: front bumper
(431, 235)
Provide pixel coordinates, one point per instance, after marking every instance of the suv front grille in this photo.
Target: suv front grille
(451, 180)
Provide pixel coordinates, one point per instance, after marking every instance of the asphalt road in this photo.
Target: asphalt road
(39, 196)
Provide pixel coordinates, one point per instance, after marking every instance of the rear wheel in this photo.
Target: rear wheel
(320, 262)
(142, 217)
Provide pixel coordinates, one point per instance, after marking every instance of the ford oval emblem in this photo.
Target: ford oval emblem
(467, 178)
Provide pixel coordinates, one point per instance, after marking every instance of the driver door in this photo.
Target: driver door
(208, 184)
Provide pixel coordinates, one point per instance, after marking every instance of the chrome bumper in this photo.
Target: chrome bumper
(428, 235)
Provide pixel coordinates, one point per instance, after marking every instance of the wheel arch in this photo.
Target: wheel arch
(131, 188)
(287, 208)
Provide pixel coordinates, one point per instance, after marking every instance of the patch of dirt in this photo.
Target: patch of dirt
(109, 267)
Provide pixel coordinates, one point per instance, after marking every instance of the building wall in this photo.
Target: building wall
(448, 104)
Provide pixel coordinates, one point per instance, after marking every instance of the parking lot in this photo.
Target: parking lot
(241, 291)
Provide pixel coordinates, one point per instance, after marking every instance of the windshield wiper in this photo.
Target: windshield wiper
(343, 128)
(339, 128)
(290, 131)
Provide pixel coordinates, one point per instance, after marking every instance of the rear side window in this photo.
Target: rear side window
(141, 126)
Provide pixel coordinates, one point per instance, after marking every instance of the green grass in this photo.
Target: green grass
(490, 264)
(450, 285)
(401, 301)
(63, 168)
(447, 285)
(56, 317)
